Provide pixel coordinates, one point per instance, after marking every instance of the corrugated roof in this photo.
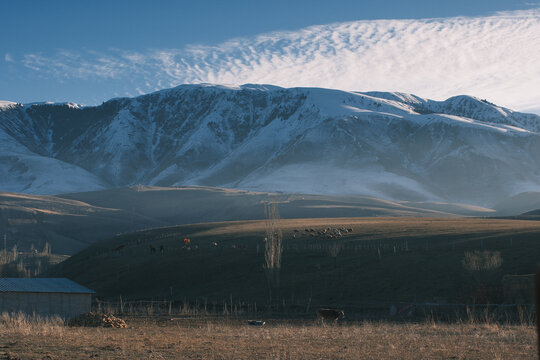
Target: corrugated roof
(54, 285)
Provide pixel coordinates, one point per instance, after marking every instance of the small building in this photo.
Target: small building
(44, 296)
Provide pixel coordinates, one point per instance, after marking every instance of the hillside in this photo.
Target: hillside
(70, 222)
(517, 204)
(66, 225)
(265, 138)
(375, 260)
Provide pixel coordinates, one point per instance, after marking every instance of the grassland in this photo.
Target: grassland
(233, 339)
(70, 222)
(382, 261)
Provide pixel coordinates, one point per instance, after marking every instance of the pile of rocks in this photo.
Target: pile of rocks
(95, 320)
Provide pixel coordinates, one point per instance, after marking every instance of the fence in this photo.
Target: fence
(397, 311)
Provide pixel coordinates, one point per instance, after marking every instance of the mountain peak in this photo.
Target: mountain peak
(261, 137)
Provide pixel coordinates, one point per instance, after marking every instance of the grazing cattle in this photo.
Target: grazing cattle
(329, 315)
(215, 244)
(187, 241)
(152, 249)
(161, 249)
(119, 247)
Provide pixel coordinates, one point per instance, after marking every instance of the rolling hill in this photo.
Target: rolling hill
(375, 260)
(70, 222)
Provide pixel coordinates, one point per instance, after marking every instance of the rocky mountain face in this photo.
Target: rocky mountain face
(256, 137)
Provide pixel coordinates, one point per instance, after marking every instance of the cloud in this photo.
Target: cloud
(494, 57)
(8, 58)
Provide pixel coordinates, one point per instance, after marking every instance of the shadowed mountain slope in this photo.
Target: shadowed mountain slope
(265, 138)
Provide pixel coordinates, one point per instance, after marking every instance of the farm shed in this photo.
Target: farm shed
(44, 296)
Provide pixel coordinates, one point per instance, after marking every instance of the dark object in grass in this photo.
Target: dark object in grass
(256, 322)
(330, 315)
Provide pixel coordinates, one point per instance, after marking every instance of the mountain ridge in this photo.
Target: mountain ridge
(266, 138)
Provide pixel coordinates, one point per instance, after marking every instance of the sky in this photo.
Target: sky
(90, 51)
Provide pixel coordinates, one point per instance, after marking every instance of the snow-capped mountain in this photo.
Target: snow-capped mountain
(259, 137)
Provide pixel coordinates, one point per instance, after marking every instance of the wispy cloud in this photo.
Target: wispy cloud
(8, 58)
(493, 57)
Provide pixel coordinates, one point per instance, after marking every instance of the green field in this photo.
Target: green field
(381, 260)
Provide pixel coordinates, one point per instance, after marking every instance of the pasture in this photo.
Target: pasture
(229, 338)
(382, 260)
(71, 222)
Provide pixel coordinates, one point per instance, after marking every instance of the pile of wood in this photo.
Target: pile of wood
(96, 320)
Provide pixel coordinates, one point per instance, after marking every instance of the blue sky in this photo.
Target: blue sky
(90, 51)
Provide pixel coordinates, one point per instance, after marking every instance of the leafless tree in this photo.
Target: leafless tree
(46, 249)
(485, 268)
(273, 247)
(333, 248)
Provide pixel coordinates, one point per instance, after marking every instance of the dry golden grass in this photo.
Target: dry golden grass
(375, 227)
(234, 339)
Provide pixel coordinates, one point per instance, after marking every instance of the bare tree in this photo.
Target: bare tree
(333, 248)
(485, 268)
(273, 247)
(14, 252)
(46, 249)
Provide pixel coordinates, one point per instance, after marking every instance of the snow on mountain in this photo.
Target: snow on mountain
(4, 105)
(25, 171)
(390, 145)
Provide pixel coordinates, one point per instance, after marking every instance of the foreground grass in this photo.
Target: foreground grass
(234, 339)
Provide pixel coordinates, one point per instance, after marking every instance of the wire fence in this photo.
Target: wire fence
(399, 311)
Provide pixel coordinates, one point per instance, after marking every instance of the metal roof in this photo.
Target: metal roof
(42, 285)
